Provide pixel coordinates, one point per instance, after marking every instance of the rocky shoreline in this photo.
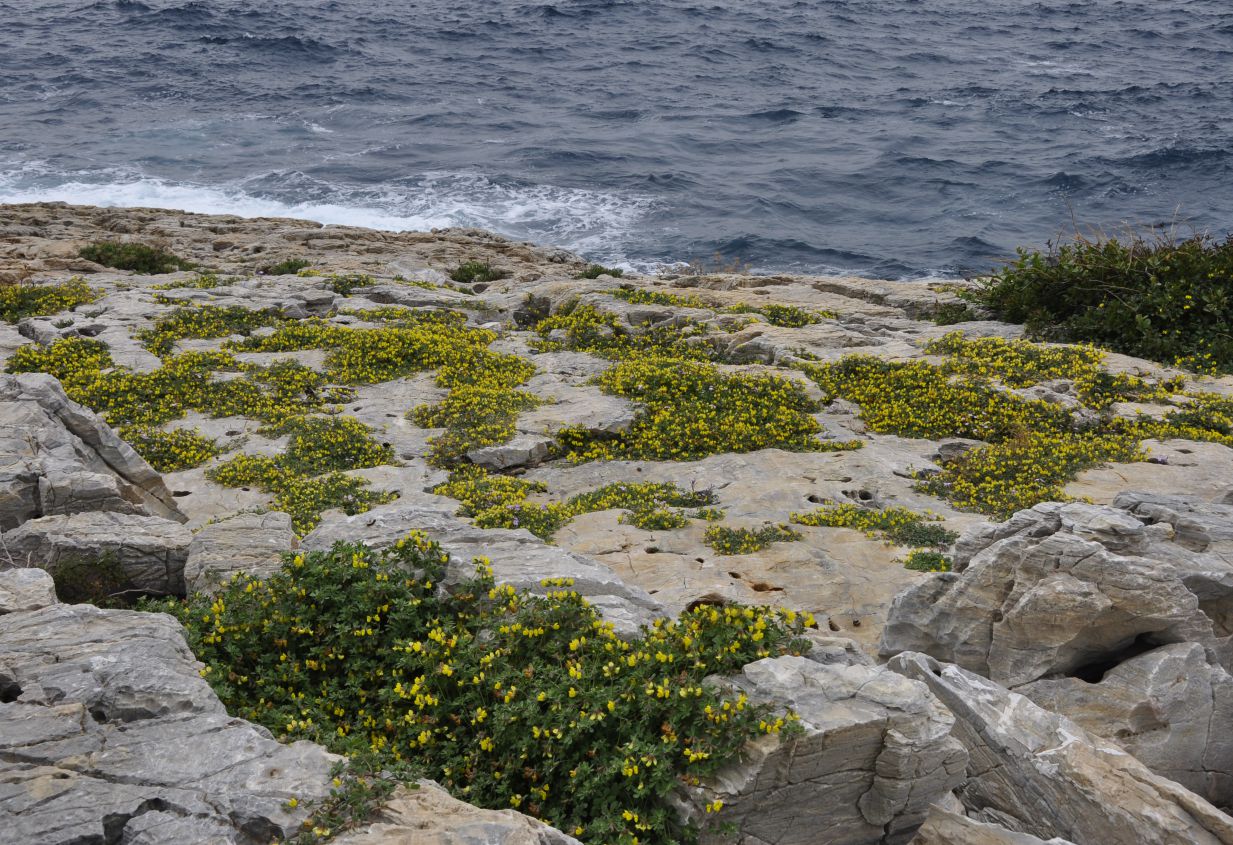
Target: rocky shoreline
(1066, 681)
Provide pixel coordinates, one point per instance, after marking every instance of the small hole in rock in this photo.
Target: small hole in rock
(735, 575)
(763, 587)
(232, 433)
(652, 550)
(1094, 671)
(98, 715)
(856, 623)
(1186, 451)
(700, 560)
(815, 498)
(179, 493)
(830, 623)
(10, 690)
(845, 479)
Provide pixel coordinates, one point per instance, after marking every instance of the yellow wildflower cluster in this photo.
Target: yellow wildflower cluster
(900, 526)
(788, 316)
(20, 301)
(743, 541)
(203, 321)
(507, 699)
(171, 451)
(690, 410)
(498, 501)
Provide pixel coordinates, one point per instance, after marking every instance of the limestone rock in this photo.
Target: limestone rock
(147, 552)
(1172, 708)
(523, 450)
(428, 815)
(26, 589)
(1039, 773)
(57, 457)
(1059, 587)
(249, 542)
(108, 733)
(875, 754)
(946, 828)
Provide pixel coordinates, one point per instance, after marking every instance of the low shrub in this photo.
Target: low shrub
(597, 270)
(471, 272)
(900, 526)
(203, 321)
(506, 699)
(138, 257)
(1152, 296)
(922, 560)
(742, 541)
(286, 267)
(20, 301)
(171, 451)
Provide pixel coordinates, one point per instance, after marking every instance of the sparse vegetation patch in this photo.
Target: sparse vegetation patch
(138, 257)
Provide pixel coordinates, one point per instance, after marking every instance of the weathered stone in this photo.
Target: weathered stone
(57, 457)
(150, 552)
(425, 814)
(1059, 587)
(249, 542)
(26, 589)
(108, 733)
(946, 828)
(1039, 773)
(1171, 708)
(875, 753)
(523, 450)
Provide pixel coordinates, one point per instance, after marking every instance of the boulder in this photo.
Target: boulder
(110, 734)
(26, 589)
(249, 542)
(111, 550)
(57, 457)
(875, 753)
(523, 450)
(425, 814)
(1172, 708)
(1036, 772)
(1059, 588)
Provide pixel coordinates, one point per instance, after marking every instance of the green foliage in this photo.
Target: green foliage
(900, 526)
(202, 281)
(322, 444)
(922, 560)
(1157, 298)
(140, 258)
(302, 496)
(286, 267)
(473, 417)
(597, 270)
(476, 271)
(643, 296)
(498, 501)
(344, 283)
(950, 313)
(203, 321)
(508, 700)
(690, 410)
(743, 541)
(787, 316)
(98, 580)
(20, 301)
(171, 451)
(587, 329)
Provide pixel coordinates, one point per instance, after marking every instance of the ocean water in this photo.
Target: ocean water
(892, 138)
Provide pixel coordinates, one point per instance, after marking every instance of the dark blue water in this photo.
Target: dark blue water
(887, 137)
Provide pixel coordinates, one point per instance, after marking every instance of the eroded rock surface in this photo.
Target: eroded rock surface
(108, 733)
(876, 752)
(57, 457)
(1039, 773)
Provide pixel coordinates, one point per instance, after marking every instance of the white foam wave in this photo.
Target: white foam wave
(587, 221)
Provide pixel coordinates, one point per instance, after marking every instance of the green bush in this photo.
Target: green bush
(286, 267)
(20, 301)
(476, 271)
(900, 526)
(743, 541)
(1154, 297)
(139, 258)
(597, 270)
(506, 699)
(922, 560)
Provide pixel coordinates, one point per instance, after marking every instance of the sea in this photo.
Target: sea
(885, 138)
